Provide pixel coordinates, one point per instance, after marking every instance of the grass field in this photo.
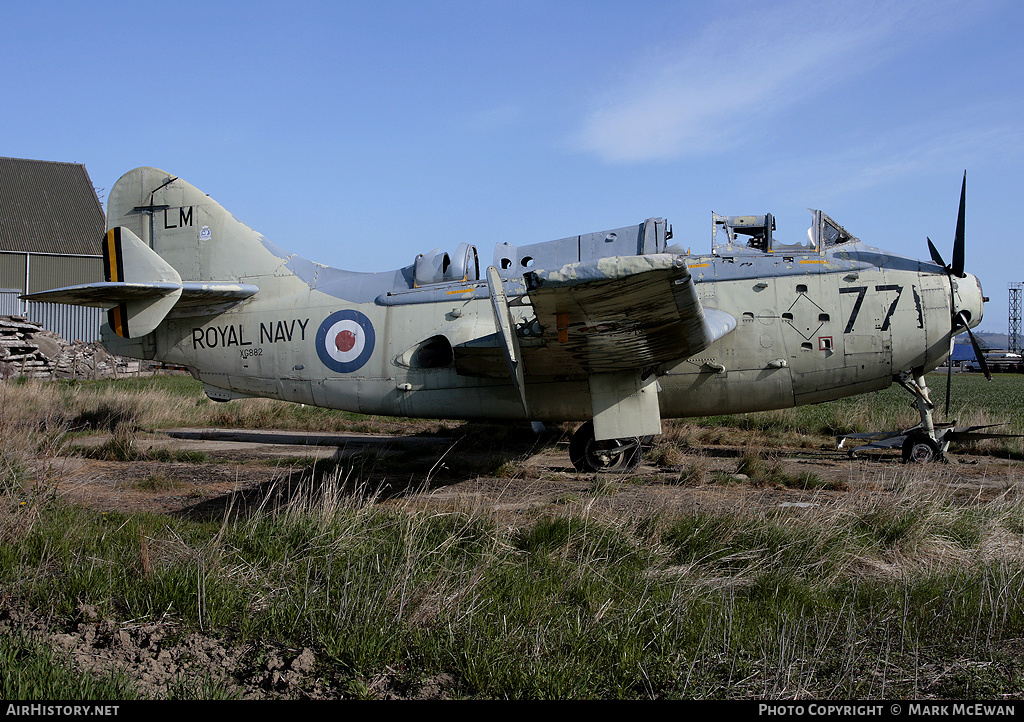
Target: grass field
(167, 401)
(909, 594)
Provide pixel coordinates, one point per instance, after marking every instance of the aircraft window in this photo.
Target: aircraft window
(801, 288)
(827, 232)
(739, 233)
(506, 264)
(527, 261)
(823, 317)
(834, 234)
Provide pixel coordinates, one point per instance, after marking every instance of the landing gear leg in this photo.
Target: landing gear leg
(589, 455)
(922, 444)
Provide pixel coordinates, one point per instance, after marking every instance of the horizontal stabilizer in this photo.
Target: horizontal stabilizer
(104, 295)
(141, 289)
(197, 299)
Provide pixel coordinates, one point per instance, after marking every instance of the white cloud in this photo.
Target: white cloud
(751, 62)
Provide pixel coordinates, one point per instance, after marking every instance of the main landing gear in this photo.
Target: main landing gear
(589, 455)
(922, 444)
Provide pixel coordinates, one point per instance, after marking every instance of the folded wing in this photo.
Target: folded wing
(619, 314)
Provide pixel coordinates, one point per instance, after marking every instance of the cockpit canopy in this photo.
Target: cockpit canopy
(440, 267)
(731, 235)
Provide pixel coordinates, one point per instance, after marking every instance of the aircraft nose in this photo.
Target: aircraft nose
(969, 299)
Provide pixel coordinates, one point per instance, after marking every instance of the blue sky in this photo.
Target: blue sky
(359, 134)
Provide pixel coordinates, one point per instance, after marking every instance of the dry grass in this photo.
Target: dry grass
(848, 597)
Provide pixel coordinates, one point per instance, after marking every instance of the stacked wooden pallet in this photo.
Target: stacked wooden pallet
(28, 349)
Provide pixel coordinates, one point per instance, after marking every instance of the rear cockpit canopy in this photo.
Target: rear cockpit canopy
(440, 267)
(742, 232)
(732, 235)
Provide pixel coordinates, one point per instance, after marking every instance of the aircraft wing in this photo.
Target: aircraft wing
(619, 314)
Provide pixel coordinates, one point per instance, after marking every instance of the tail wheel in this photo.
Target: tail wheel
(920, 449)
(589, 455)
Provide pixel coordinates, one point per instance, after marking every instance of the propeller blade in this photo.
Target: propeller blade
(936, 256)
(977, 349)
(958, 241)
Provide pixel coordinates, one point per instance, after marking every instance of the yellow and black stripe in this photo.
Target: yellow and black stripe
(113, 270)
(117, 317)
(113, 258)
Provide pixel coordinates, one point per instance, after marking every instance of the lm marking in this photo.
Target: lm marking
(184, 217)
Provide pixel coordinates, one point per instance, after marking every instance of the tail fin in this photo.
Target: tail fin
(192, 265)
(194, 234)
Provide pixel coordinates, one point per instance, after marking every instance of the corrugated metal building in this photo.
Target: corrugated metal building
(51, 226)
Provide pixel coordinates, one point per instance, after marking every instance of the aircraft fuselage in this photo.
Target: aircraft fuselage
(809, 329)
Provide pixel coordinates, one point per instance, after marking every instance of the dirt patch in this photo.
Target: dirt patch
(471, 468)
(160, 660)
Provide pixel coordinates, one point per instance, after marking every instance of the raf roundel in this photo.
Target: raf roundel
(344, 341)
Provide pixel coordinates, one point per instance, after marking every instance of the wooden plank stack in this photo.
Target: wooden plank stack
(27, 349)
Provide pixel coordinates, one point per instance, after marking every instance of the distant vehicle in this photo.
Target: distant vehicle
(998, 361)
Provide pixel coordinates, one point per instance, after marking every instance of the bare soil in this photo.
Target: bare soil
(481, 466)
(472, 467)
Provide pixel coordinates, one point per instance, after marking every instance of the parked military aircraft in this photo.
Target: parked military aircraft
(615, 329)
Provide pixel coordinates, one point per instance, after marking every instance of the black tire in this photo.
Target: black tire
(591, 456)
(920, 449)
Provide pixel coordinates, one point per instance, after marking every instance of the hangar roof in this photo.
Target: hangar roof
(49, 207)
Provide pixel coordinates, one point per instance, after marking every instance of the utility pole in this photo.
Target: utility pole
(1013, 337)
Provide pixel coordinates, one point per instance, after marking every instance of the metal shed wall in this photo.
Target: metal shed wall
(51, 226)
(43, 272)
(73, 323)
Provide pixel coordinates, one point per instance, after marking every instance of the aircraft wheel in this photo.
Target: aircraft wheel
(920, 449)
(589, 455)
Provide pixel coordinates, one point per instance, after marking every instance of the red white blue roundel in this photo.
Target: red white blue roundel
(345, 341)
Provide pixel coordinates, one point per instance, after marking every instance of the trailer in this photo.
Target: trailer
(999, 361)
